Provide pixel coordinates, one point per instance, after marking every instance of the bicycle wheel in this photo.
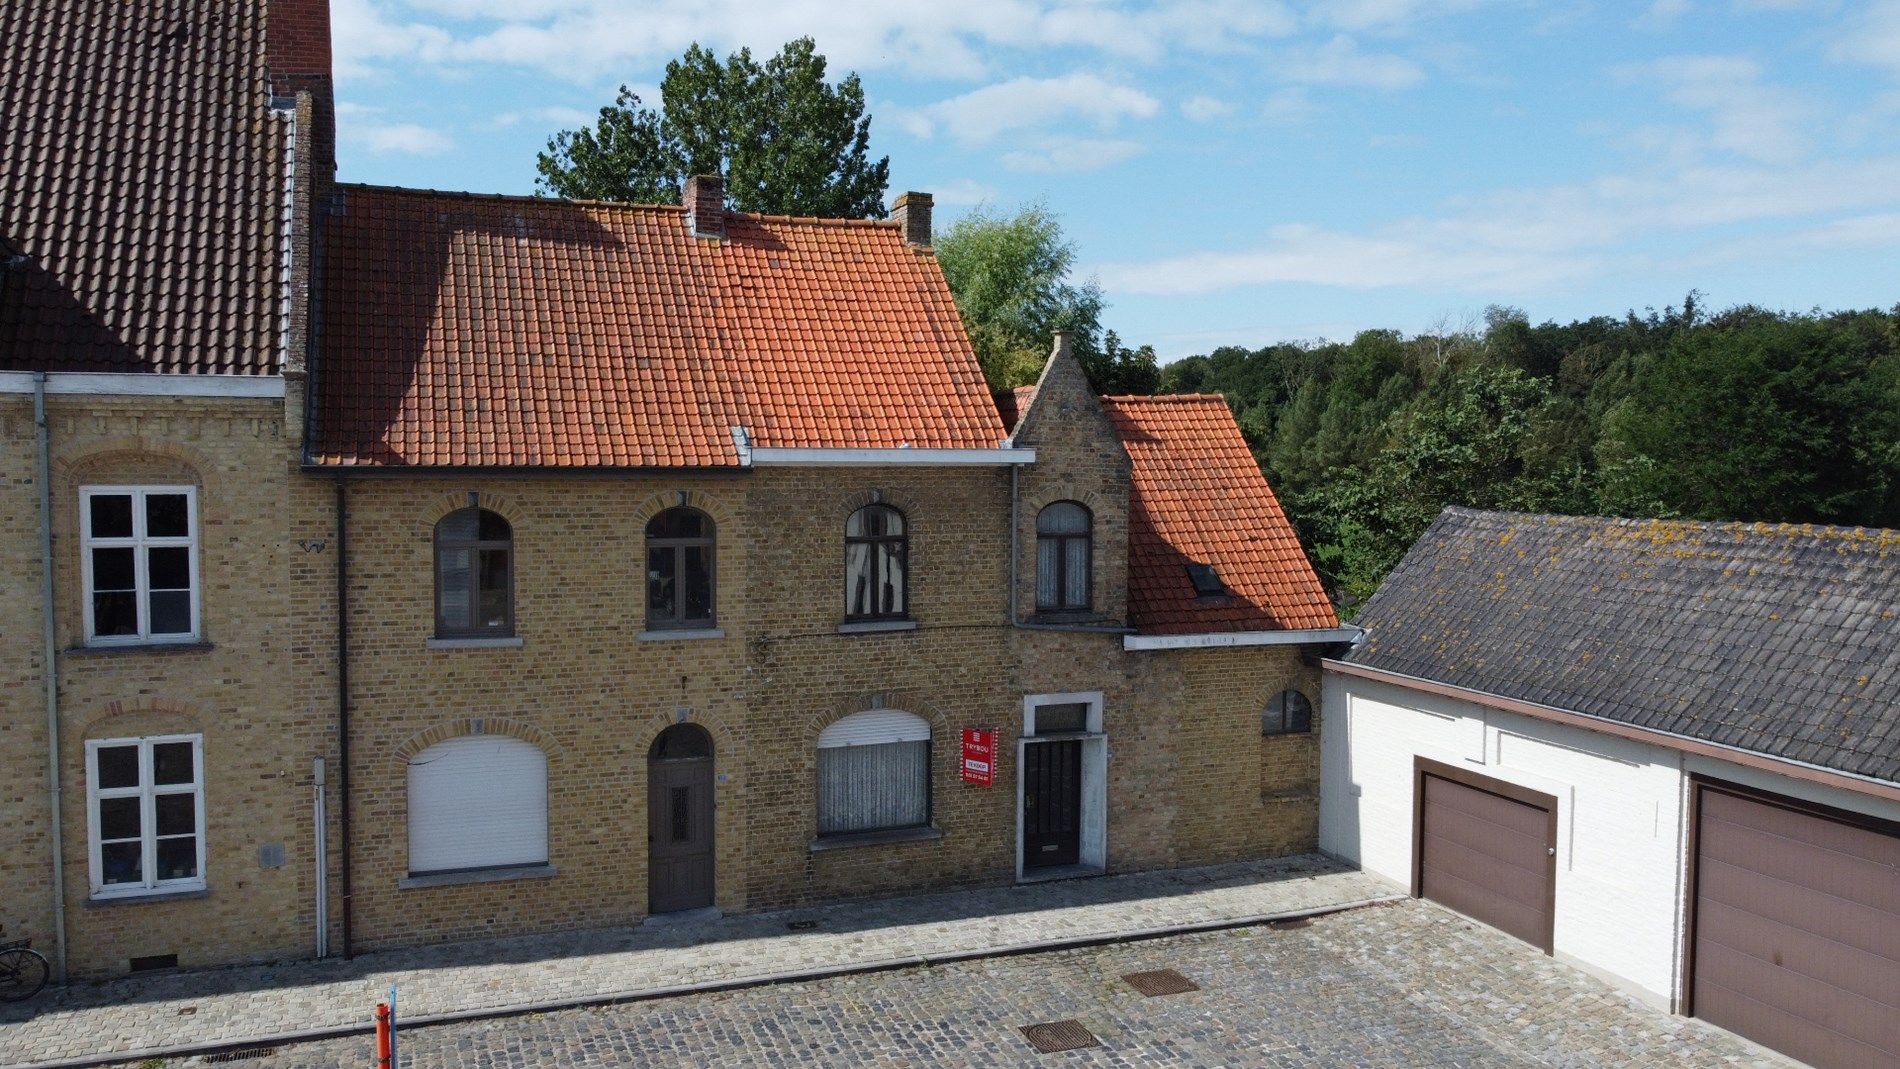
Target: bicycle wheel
(22, 974)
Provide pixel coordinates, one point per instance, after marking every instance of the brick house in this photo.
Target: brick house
(617, 559)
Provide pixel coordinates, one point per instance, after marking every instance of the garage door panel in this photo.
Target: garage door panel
(1842, 967)
(1500, 876)
(1787, 903)
(1835, 866)
(1485, 855)
(1772, 1026)
(1797, 929)
(1502, 814)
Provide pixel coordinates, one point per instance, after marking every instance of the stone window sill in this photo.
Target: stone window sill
(681, 634)
(855, 839)
(509, 642)
(129, 899)
(110, 648)
(871, 627)
(462, 876)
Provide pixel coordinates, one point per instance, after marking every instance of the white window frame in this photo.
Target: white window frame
(147, 792)
(139, 542)
(1090, 698)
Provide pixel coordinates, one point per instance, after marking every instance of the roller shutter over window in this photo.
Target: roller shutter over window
(478, 801)
(873, 773)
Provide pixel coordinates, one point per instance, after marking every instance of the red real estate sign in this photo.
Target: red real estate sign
(979, 756)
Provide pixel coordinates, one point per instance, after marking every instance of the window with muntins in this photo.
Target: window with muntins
(1063, 549)
(680, 569)
(145, 815)
(874, 773)
(139, 556)
(876, 564)
(474, 575)
(478, 802)
(1288, 713)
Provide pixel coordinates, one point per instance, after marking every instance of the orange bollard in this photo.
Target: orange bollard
(382, 1035)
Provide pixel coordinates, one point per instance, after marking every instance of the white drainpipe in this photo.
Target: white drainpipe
(50, 672)
(322, 858)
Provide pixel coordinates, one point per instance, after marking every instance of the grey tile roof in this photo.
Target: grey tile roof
(1781, 639)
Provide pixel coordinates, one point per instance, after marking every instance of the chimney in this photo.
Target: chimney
(705, 198)
(297, 52)
(911, 211)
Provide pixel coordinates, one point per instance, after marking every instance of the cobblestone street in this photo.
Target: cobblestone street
(1400, 985)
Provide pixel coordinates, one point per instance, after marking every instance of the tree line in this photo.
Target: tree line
(1744, 414)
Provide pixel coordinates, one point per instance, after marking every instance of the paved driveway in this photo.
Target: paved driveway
(1400, 985)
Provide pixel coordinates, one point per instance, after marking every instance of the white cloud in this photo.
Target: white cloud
(1384, 15)
(1873, 37)
(1747, 116)
(962, 192)
(1340, 62)
(1205, 108)
(551, 117)
(1662, 15)
(361, 39)
(1512, 242)
(1289, 107)
(982, 115)
(1058, 154)
(410, 139)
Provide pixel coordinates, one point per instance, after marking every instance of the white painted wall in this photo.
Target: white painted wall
(1621, 832)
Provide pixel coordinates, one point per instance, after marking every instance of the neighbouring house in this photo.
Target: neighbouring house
(154, 162)
(1668, 752)
(617, 559)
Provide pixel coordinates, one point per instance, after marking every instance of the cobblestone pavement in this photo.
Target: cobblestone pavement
(135, 1017)
(1406, 984)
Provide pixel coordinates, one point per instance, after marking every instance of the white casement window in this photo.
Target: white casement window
(139, 556)
(874, 773)
(145, 815)
(478, 802)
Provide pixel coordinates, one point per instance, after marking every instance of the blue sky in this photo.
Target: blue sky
(1250, 172)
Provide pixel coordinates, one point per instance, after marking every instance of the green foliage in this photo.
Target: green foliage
(1010, 277)
(786, 141)
(1743, 415)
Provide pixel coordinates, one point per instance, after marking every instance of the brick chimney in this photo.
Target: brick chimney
(297, 52)
(911, 211)
(705, 198)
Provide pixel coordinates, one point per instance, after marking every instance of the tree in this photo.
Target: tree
(785, 141)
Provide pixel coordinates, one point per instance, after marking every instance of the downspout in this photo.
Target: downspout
(343, 701)
(50, 671)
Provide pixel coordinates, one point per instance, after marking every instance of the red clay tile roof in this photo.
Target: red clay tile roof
(513, 331)
(1199, 496)
(142, 172)
(1012, 403)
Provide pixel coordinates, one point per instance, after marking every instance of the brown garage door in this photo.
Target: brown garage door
(1486, 849)
(1795, 938)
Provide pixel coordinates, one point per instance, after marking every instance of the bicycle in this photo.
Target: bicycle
(23, 971)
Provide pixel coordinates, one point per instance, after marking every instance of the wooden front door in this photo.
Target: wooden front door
(680, 820)
(1052, 803)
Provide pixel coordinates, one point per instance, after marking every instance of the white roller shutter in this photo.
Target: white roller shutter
(875, 728)
(478, 801)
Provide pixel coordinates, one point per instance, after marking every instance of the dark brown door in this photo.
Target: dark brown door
(1052, 803)
(1486, 849)
(680, 820)
(1796, 928)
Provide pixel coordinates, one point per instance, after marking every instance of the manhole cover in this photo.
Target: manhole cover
(239, 1054)
(1055, 1036)
(1160, 982)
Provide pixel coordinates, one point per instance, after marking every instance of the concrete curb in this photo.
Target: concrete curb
(736, 983)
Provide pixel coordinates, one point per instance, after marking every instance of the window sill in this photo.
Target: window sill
(871, 627)
(680, 634)
(462, 876)
(510, 642)
(855, 839)
(188, 645)
(128, 898)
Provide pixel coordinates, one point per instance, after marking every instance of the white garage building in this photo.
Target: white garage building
(1666, 752)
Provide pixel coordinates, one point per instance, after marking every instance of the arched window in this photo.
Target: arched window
(1288, 713)
(876, 564)
(1063, 532)
(680, 569)
(874, 773)
(474, 575)
(478, 802)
